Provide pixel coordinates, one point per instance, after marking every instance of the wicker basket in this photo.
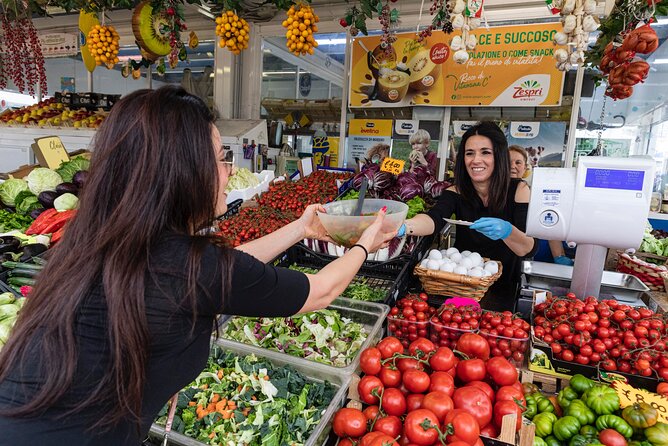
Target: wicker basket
(442, 283)
(649, 274)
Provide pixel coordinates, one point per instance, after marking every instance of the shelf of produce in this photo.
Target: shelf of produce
(369, 315)
(312, 374)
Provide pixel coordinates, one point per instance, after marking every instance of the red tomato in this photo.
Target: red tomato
(502, 371)
(390, 376)
(421, 347)
(438, 402)
(414, 401)
(349, 423)
(510, 393)
(502, 408)
(464, 428)
(345, 442)
(471, 370)
(394, 402)
(484, 387)
(368, 438)
(610, 437)
(662, 389)
(389, 425)
(442, 382)
(416, 381)
(474, 401)
(442, 360)
(383, 440)
(371, 412)
(369, 389)
(473, 346)
(405, 364)
(370, 361)
(489, 431)
(389, 346)
(414, 430)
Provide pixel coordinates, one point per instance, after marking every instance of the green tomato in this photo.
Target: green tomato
(544, 422)
(583, 440)
(657, 434)
(602, 399)
(537, 441)
(544, 404)
(616, 423)
(579, 410)
(532, 407)
(552, 441)
(588, 430)
(565, 428)
(566, 396)
(580, 383)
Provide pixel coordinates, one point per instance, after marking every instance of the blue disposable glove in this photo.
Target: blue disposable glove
(402, 230)
(493, 228)
(563, 260)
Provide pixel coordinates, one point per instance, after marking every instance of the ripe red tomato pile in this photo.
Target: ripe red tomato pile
(292, 197)
(607, 334)
(282, 203)
(425, 395)
(451, 322)
(507, 335)
(409, 319)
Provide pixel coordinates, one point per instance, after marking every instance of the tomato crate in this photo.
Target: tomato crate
(445, 336)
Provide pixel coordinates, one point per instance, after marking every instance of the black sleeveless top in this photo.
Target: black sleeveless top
(503, 293)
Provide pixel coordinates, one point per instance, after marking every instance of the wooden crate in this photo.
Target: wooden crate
(546, 383)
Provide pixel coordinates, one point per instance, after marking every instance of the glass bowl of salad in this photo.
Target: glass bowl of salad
(346, 229)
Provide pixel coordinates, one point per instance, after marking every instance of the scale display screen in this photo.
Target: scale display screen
(615, 179)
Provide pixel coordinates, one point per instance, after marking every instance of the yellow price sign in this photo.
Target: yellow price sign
(393, 166)
(629, 395)
(50, 152)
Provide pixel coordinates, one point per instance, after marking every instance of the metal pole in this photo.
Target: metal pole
(149, 77)
(343, 152)
(444, 147)
(573, 125)
(90, 81)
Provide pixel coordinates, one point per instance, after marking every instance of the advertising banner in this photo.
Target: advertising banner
(545, 142)
(323, 146)
(368, 136)
(510, 66)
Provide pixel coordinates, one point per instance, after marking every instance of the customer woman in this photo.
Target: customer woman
(122, 315)
(519, 161)
(497, 205)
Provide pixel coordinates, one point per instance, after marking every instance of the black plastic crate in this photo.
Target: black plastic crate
(392, 279)
(4, 286)
(233, 209)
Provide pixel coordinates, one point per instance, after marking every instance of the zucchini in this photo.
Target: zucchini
(23, 272)
(12, 265)
(21, 281)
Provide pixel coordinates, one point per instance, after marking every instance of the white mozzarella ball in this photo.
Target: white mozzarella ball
(466, 253)
(435, 254)
(423, 264)
(448, 267)
(451, 251)
(460, 270)
(492, 267)
(466, 263)
(475, 272)
(475, 258)
(444, 253)
(486, 273)
(456, 257)
(433, 264)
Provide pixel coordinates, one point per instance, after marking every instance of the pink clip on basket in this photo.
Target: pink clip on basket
(462, 301)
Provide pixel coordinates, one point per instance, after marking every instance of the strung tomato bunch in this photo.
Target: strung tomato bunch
(607, 334)
(103, 45)
(300, 27)
(409, 319)
(451, 322)
(233, 32)
(425, 395)
(249, 224)
(292, 197)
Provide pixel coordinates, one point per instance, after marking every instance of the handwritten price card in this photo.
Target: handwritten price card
(393, 166)
(50, 152)
(629, 395)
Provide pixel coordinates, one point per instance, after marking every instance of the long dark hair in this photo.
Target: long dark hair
(153, 171)
(500, 179)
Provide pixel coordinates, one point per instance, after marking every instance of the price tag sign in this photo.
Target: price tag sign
(393, 166)
(629, 395)
(50, 152)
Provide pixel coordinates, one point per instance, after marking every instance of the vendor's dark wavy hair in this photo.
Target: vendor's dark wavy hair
(153, 171)
(500, 179)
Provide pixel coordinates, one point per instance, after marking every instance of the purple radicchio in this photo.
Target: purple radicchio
(438, 188)
(409, 191)
(428, 184)
(381, 181)
(421, 173)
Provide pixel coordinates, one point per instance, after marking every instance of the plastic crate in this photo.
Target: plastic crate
(370, 315)
(321, 431)
(392, 276)
(4, 286)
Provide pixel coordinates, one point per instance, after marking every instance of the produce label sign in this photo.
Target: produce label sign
(629, 395)
(510, 66)
(50, 152)
(392, 166)
(369, 135)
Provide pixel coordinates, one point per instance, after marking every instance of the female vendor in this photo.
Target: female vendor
(485, 194)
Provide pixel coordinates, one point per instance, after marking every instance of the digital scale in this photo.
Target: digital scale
(600, 204)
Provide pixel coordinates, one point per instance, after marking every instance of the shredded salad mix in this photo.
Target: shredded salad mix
(247, 400)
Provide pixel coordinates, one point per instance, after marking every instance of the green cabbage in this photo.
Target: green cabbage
(41, 179)
(66, 202)
(69, 168)
(10, 188)
(242, 179)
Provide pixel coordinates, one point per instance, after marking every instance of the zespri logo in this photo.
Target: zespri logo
(527, 90)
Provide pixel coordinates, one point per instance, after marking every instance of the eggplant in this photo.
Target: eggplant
(64, 188)
(46, 198)
(36, 213)
(79, 178)
(31, 250)
(9, 244)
